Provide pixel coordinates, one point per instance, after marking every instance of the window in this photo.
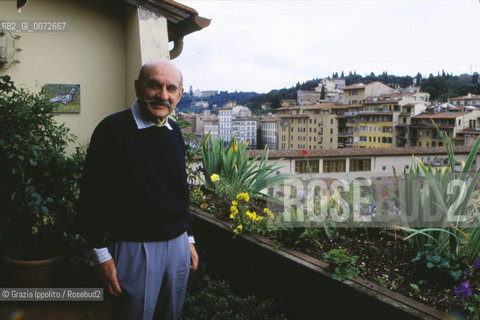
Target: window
(334, 165)
(360, 165)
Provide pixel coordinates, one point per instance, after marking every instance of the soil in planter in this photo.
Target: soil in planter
(384, 258)
(34, 254)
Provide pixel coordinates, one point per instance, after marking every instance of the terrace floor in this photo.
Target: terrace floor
(55, 310)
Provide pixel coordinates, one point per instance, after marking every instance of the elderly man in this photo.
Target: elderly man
(135, 189)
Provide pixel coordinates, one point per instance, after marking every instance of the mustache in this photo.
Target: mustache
(159, 102)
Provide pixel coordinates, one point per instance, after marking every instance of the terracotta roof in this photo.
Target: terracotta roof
(440, 115)
(293, 116)
(356, 152)
(472, 132)
(269, 120)
(380, 102)
(210, 119)
(323, 106)
(287, 108)
(473, 97)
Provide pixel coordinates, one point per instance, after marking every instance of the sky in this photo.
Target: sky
(262, 45)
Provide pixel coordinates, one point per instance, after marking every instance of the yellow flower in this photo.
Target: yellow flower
(204, 205)
(233, 210)
(269, 213)
(34, 230)
(214, 177)
(238, 229)
(243, 196)
(232, 216)
(234, 203)
(251, 215)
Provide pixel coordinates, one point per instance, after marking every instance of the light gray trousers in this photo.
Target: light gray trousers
(153, 277)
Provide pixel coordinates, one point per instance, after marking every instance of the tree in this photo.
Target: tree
(418, 78)
(342, 76)
(475, 78)
(322, 94)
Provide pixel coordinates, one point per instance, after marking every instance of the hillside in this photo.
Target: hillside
(440, 88)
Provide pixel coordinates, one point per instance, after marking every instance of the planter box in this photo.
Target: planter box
(302, 283)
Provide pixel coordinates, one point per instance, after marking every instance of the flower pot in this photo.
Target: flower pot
(299, 279)
(31, 273)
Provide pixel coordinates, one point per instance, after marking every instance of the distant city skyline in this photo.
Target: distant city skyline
(272, 44)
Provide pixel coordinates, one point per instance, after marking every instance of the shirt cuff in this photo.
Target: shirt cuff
(100, 255)
(191, 239)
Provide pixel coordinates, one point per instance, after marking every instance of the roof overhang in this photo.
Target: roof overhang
(181, 20)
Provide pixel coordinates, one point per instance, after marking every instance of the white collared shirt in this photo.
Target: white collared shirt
(101, 255)
(143, 123)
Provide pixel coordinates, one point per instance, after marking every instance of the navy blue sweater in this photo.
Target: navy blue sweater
(134, 185)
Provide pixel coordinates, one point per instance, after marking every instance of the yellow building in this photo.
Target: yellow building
(375, 130)
(424, 134)
(308, 127)
(98, 45)
(292, 128)
(358, 92)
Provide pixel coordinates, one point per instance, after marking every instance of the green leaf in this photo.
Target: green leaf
(415, 287)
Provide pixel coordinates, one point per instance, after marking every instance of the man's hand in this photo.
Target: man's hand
(193, 257)
(108, 273)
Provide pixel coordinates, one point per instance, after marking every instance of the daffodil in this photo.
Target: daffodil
(214, 177)
(240, 228)
(235, 231)
(235, 203)
(233, 210)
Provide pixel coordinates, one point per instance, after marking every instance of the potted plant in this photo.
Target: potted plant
(39, 181)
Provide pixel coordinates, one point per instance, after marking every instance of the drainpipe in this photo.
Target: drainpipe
(177, 48)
